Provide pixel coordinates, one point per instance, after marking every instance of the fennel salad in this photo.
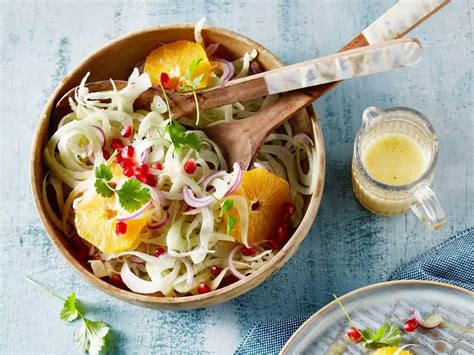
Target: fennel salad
(150, 205)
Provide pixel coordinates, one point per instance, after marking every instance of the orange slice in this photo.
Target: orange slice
(95, 220)
(265, 194)
(174, 59)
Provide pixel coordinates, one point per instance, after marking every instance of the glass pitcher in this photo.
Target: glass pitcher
(389, 200)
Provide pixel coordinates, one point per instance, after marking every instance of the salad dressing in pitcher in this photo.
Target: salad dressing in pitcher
(394, 159)
(395, 153)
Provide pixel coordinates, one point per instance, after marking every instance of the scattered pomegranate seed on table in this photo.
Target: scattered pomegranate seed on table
(203, 288)
(126, 131)
(410, 325)
(121, 228)
(190, 167)
(354, 334)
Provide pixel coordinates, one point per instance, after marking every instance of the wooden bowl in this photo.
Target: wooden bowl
(116, 60)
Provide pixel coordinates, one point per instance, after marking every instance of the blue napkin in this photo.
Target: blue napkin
(451, 262)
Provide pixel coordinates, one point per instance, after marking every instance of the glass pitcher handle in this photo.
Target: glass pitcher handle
(428, 209)
(370, 114)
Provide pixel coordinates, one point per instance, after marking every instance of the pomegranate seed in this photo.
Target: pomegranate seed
(354, 334)
(116, 144)
(105, 154)
(190, 167)
(274, 244)
(143, 169)
(159, 251)
(128, 152)
(215, 271)
(203, 288)
(289, 208)
(248, 251)
(116, 280)
(282, 234)
(164, 79)
(119, 159)
(128, 163)
(121, 228)
(410, 325)
(129, 171)
(157, 165)
(126, 131)
(150, 180)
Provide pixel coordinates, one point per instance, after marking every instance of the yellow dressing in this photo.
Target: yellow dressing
(394, 159)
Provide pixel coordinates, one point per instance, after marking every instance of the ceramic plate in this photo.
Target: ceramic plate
(393, 301)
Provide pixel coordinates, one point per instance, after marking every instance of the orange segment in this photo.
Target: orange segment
(265, 194)
(95, 220)
(174, 59)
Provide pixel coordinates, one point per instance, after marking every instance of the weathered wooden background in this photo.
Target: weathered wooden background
(347, 247)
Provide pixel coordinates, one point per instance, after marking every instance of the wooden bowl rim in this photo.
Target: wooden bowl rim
(187, 302)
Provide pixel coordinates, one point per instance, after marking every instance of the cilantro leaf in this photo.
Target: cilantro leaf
(226, 206)
(386, 334)
(90, 337)
(103, 172)
(69, 311)
(103, 188)
(231, 220)
(132, 195)
(180, 137)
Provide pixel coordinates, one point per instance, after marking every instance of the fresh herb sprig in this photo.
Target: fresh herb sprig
(91, 336)
(131, 195)
(225, 207)
(386, 334)
(191, 84)
(177, 132)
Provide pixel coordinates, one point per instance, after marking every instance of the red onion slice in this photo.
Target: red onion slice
(137, 260)
(193, 201)
(230, 262)
(430, 322)
(135, 214)
(236, 179)
(101, 135)
(211, 49)
(227, 68)
(204, 182)
(161, 223)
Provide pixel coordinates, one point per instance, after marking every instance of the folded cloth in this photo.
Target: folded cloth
(451, 262)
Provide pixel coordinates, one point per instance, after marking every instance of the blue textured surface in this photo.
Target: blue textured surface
(451, 262)
(347, 247)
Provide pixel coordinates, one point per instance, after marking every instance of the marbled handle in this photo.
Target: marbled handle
(345, 65)
(401, 18)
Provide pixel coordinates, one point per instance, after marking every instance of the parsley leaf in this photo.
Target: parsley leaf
(69, 311)
(132, 195)
(386, 334)
(226, 206)
(103, 172)
(90, 337)
(103, 188)
(231, 220)
(180, 137)
(192, 68)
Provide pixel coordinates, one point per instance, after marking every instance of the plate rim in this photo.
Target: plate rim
(356, 292)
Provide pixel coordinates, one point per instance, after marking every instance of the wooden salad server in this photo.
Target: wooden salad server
(241, 140)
